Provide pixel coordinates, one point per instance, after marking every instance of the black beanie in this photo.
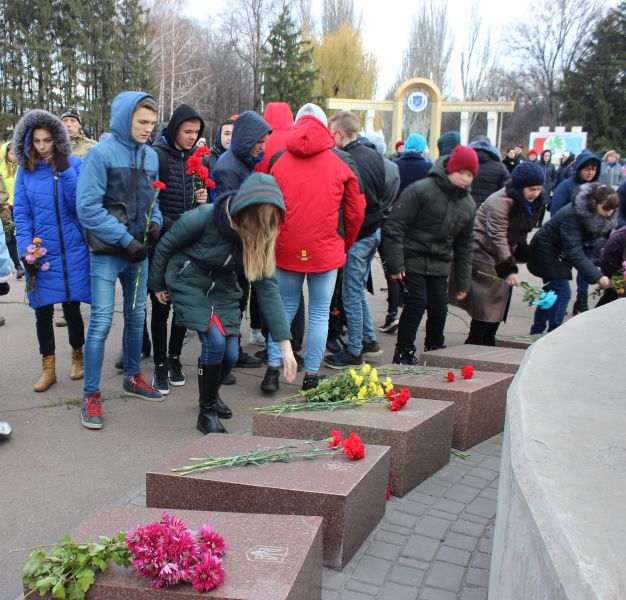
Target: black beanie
(527, 174)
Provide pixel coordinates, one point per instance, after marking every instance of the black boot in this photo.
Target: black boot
(209, 381)
(581, 304)
(222, 410)
(404, 356)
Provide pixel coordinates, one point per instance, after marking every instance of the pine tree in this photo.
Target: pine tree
(593, 93)
(288, 72)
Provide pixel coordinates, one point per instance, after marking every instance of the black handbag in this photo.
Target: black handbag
(119, 210)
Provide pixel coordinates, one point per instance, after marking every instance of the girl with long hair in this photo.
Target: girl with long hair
(195, 266)
(45, 207)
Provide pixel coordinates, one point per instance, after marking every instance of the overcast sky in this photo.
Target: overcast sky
(386, 25)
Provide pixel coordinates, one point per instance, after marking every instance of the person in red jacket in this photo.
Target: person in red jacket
(325, 210)
(280, 117)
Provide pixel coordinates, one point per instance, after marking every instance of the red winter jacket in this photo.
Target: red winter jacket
(322, 198)
(280, 117)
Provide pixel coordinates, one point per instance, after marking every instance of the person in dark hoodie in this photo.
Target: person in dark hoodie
(586, 169)
(565, 168)
(247, 150)
(448, 142)
(221, 143)
(174, 145)
(114, 195)
(560, 245)
(492, 174)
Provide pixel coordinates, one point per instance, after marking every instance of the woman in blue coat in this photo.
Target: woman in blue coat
(45, 207)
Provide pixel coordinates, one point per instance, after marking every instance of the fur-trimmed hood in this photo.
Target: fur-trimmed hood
(585, 209)
(36, 119)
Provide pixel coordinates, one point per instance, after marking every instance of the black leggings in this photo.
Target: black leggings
(12, 247)
(482, 333)
(158, 328)
(45, 329)
(423, 293)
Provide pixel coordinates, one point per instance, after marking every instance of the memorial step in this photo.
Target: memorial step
(482, 358)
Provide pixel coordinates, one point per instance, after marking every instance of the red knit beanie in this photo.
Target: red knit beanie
(463, 158)
(398, 144)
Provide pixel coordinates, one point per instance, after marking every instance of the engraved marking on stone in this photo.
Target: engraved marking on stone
(270, 554)
(343, 468)
(410, 413)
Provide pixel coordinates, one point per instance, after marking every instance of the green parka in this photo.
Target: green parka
(430, 226)
(197, 263)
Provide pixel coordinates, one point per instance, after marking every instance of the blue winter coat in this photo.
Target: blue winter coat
(566, 190)
(108, 172)
(236, 164)
(37, 214)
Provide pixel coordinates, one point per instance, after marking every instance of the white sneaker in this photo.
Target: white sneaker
(256, 338)
(5, 429)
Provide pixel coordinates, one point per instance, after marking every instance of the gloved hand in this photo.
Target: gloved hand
(4, 288)
(154, 231)
(61, 161)
(136, 251)
(28, 267)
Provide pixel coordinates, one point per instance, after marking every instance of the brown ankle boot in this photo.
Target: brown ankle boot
(48, 374)
(78, 365)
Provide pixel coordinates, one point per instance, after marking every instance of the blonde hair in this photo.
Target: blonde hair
(257, 226)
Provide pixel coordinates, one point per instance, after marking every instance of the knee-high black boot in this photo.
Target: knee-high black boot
(222, 410)
(209, 381)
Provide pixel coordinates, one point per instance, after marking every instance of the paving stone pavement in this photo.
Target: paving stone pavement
(433, 544)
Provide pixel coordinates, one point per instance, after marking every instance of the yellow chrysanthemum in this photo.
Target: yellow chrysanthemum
(388, 381)
(353, 373)
(362, 392)
(374, 376)
(365, 369)
(388, 388)
(379, 391)
(358, 380)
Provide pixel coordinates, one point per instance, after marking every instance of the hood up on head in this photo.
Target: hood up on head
(182, 113)
(39, 119)
(278, 115)
(482, 142)
(249, 128)
(582, 160)
(122, 111)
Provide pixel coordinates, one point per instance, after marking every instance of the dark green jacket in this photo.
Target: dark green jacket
(431, 225)
(197, 264)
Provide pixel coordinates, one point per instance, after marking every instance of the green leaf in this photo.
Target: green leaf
(85, 578)
(58, 591)
(34, 564)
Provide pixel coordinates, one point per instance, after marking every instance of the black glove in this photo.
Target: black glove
(154, 231)
(61, 161)
(136, 251)
(4, 288)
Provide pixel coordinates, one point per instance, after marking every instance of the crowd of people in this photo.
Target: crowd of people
(284, 200)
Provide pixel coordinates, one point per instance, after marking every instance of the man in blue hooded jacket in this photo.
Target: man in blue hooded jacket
(117, 207)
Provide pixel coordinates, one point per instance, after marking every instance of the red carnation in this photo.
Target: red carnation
(202, 172)
(467, 372)
(354, 447)
(450, 376)
(399, 400)
(209, 183)
(202, 151)
(159, 185)
(337, 438)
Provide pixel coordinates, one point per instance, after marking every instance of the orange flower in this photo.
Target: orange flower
(37, 240)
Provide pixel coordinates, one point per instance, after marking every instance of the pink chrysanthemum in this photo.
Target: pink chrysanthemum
(208, 573)
(211, 541)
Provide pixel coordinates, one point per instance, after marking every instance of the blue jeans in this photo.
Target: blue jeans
(358, 316)
(553, 316)
(105, 271)
(321, 287)
(218, 348)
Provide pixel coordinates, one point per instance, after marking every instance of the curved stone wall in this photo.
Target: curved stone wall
(561, 521)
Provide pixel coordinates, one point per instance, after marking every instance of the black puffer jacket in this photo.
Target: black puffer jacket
(178, 196)
(372, 175)
(492, 174)
(560, 244)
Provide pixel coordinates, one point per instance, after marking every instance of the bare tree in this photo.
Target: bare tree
(428, 55)
(548, 44)
(337, 13)
(248, 23)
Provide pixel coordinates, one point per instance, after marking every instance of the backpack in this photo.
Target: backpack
(164, 165)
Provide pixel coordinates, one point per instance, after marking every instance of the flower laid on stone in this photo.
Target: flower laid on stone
(450, 376)
(33, 262)
(167, 552)
(348, 389)
(533, 295)
(352, 447)
(467, 372)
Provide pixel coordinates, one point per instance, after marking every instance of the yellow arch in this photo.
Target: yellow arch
(436, 102)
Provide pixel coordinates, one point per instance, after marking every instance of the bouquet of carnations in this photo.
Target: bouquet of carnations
(200, 173)
(167, 552)
(33, 262)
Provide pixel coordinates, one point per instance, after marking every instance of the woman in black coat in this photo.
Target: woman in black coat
(561, 243)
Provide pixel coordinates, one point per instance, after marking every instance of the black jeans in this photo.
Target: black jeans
(394, 289)
(45, 329)
(158, 328)
(423, 293)
(482, 333)
(256, 319)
